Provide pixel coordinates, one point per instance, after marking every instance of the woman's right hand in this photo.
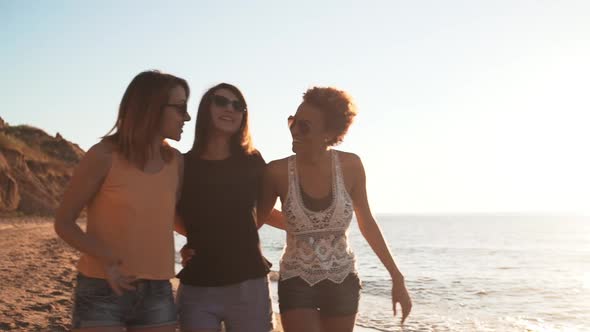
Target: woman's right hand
(399, 294)
(117, 280)
(186, 253)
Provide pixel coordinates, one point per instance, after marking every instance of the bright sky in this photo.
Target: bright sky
(464, 106)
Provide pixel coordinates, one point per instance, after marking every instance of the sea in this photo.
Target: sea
(472, 272)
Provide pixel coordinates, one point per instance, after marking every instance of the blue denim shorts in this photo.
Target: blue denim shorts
(151, 304)
(245, 306)
(330, 298)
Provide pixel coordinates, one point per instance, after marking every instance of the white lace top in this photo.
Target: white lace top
(317, 242)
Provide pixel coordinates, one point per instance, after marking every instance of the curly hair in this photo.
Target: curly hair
(337, 107)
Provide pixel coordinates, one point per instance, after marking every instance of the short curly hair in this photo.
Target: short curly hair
(337, 107)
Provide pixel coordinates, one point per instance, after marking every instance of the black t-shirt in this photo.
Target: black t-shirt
(218, 206)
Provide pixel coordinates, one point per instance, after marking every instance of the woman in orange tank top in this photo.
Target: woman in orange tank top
(129, 183)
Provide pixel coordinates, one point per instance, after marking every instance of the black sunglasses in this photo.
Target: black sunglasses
(222, 101)
(301, 125)
(180, 108)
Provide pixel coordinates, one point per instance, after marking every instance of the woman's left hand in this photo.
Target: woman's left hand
(186, 253)
(399, 294)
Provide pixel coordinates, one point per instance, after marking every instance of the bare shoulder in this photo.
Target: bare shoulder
(175, 152)
(278, 164)
(177, 155)
(277, 167)
(349, 160)
(101, 153)
(97, 160)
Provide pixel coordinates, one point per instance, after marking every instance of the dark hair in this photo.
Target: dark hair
(140, 115)
(240, 142)
(337, 108)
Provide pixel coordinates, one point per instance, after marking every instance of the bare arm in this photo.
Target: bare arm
(267, 197)
(180, 175)
(276, 219)
(371, 232)
(367, 224)
(84, 184)
(179, 226)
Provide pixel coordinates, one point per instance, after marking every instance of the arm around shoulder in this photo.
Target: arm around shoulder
(267, 197)
(180, 161)
(179, 225)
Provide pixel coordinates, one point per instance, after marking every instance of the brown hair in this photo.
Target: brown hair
(337, 107)
(140, 115)
(240, 142)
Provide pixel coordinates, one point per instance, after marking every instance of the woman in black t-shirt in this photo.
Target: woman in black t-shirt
(226, 278)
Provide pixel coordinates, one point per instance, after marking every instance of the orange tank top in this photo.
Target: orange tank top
(133, 215)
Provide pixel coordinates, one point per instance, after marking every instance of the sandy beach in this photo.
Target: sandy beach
(37, 270)
(37, 273)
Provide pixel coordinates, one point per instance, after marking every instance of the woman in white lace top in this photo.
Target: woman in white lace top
(320, 188)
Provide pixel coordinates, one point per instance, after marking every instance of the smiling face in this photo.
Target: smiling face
(174, 114)
(308, 129)
(227, 112)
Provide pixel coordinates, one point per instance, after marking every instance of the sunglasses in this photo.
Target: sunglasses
(303, 126)
(180, 108)
(222, 101)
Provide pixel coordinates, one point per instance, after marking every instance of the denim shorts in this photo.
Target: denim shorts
(330, 298)
(151, 304)
(245, 306)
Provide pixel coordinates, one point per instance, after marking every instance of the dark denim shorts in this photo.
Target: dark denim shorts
(328, 297)
(151, 304)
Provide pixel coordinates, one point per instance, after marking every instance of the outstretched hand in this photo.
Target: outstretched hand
(399, 294)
